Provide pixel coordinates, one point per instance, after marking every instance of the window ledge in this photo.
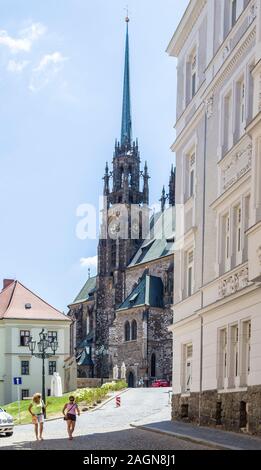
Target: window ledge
(234, 389)
(185, 394)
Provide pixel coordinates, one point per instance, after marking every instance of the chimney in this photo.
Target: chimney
(7, 283)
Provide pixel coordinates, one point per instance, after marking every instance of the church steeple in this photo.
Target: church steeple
(126, 127)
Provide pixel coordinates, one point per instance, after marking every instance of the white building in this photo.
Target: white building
(24, 314)
(217, 292)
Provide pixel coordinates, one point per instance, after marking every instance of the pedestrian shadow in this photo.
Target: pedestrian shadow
(126, 439)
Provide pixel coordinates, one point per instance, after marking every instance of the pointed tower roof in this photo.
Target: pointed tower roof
(126, 131)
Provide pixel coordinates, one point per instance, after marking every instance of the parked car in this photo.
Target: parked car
(160, 383)
(6, 423)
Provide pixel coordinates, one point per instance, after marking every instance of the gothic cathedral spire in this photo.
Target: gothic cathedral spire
(126, 127)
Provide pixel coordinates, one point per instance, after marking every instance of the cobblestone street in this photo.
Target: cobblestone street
(107, 428)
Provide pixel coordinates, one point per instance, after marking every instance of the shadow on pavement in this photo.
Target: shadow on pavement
(130, 439)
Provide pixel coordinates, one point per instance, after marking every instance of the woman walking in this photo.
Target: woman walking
(69, 411)
(37, 408)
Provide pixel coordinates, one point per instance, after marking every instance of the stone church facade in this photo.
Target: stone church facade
(135, 259)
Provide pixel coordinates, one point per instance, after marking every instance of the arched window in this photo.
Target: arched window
(153, 365)
(127, 331)
(133, 330)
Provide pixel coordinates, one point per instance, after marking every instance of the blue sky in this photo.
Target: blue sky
(61, 77)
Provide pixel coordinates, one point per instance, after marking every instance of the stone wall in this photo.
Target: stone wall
(152, 337)
(232, 411)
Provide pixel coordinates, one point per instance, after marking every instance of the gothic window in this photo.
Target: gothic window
(153, 365)
(122, 176)
(113, 253)
(133, 330)
(127, 331)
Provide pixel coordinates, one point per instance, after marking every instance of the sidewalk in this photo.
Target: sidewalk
(201, 435)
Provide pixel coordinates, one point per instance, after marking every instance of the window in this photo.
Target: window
(238, 228)
(192, 175)
(227, 240)
(127, 331)
(193, 75)
(223, 357)
(24, 337)
(190, 261)
(52, 367)
(113, 253)
(25, 393)
(188, 367)
(52, 336)
(153, 365)
(227, 120)
(234, 350)
(233, 12)
(248, 346)
(24, 367)
(242, 106)
(133, 330)
(246, 351)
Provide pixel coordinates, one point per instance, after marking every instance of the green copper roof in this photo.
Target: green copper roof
(84, 359)
(160, 241)
(149, 292)
(86, 291)
(126, 132)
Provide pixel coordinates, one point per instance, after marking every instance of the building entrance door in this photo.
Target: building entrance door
(131, 380)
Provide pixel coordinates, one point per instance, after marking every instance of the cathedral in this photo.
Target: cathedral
(121, 317)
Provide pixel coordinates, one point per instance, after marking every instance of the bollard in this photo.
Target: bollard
(118, 402)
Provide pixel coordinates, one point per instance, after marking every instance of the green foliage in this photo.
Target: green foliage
(89, 396)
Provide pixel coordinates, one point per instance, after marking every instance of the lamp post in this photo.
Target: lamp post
(100, 353)
(43, 345)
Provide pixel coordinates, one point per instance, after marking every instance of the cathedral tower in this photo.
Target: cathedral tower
(125, 215)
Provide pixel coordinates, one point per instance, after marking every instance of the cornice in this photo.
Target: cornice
(231, 61)
(185, 26)
(188, 128)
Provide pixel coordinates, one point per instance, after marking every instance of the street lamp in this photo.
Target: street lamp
(100, 353)
(43, 344)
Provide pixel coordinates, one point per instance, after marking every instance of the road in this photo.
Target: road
(107, 428)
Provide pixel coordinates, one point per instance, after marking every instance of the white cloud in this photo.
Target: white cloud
(17, 66)
(90, 262)
(50, 59)
(48, 67)
(25, 40)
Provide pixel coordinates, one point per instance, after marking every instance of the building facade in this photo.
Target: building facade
(217, 293)
(23, 314)
(126, 233)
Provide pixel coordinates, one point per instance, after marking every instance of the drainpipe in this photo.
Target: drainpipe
(202, 269)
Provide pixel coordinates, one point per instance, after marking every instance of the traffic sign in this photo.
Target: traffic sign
(17, 380)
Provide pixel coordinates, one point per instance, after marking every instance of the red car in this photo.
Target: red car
(160, 383)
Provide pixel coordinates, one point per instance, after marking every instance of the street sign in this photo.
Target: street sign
(17, 380)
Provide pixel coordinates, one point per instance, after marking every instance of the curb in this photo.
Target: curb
(107, 401)
(186, 437)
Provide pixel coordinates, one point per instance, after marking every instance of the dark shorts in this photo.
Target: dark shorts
(71, 417)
